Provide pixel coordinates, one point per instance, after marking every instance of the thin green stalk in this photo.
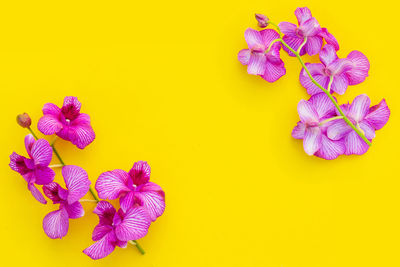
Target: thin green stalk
(135, 243)
(327, 93)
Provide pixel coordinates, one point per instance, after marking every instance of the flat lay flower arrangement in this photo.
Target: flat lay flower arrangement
(141, 201)
(327, 128)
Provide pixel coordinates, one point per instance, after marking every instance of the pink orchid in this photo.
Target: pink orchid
(34, 169)
(56, 223)
(67, 122)
(308, 28)
(132, 188)
(261, 58)
(367, 119)
(116, 229)
(312, 127)
(344, 71)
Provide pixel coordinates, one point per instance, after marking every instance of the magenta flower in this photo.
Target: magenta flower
(313, 125)
(133, 188)
(308, 28)
(34, 169)
(116, 228)
(345, 71)
(67, 122)
(260, 58)
(56, 223)
(367, 119)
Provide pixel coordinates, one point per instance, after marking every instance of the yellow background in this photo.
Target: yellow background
(161, 82)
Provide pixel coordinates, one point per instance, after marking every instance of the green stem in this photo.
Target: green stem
(270, 45)
(94, 194)
(34, 135)
(135, 243)
(301, 46)
(327, 93)
(330, 119)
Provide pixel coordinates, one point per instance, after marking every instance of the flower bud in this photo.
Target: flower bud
(24, 120)
(262, 20)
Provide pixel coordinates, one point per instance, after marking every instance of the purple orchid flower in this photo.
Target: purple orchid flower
(34, 169)
(367, 119)
(133, 188)
(308, 28)
(116, 228)
(344, 71)
(260, 58)
(56, 223)
(312, 127)
(67, 122)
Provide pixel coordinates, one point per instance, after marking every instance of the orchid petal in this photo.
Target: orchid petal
(298, 130)
(316, 70)
(105, 211)
(77, 182)
(127, 201)
(360, 67)
(244, 56)
(339, 66)
(17, 163)
(253, 38)
(368, 130)
(42, 152)
(340, 84)
(330, 149)
(302, 14)
(328, 54)
(134, 225)
(288, 28)
(36, 193)
(44, 175)
(29, 141)
(329, 38)
(72, 101)
(101, 248)
(81, 135)
(268, 36)
(51, 109)
(56, 223)
(313, 45)
(152, 198)
(49, 124)
(355, 145)
(338, 129)
(100, 231)
(294, 43)
(140, 172)
(273, 72)
(111, 184)
(323, 105)
(74, 210)
(311, 28)
(53, 192)
(312, 140)
(257, 64)
(359, 107)
(378, 115)
(307, 112)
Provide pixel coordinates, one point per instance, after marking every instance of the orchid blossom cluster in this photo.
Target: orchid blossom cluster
(141, 201)
(326, 128)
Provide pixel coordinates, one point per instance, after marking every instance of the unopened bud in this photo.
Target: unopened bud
(262, 20)
(24, 120)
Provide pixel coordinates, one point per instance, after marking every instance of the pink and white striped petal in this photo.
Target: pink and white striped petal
(312, 140)
(378, 115)
(56, 223)
(302, 14)
(42, 152)
(77, 182)
(49, 124)
(354, 144)
(359, 108)
(152, 198)
(111, 184)
(134, 225)
(330, 149)
(74, 210)
(244, 56)
(101, 248)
